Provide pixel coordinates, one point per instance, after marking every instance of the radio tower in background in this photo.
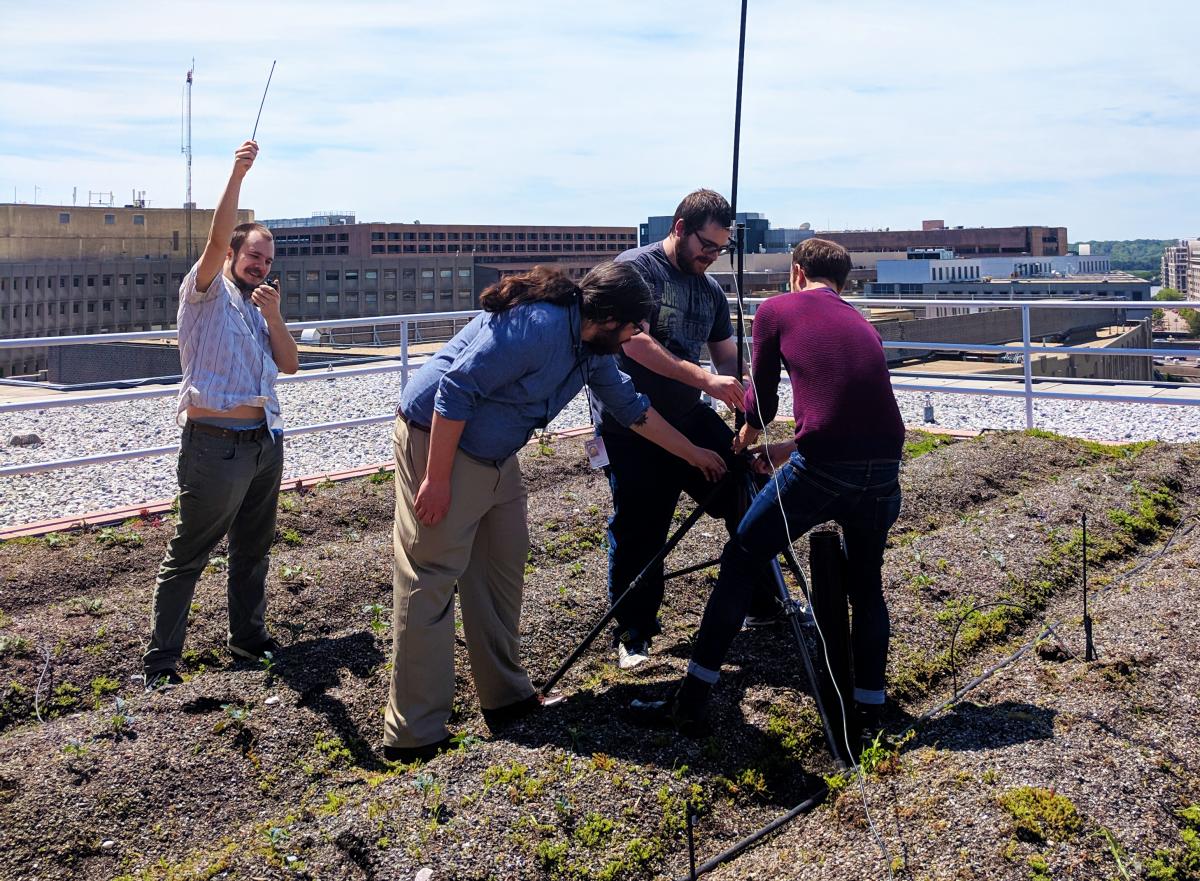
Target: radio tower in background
(186, 149)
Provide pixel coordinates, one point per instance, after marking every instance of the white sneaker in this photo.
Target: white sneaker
(631, 655)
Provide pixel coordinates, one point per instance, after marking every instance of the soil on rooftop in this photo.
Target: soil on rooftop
(250, 772)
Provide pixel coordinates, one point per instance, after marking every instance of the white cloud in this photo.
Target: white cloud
(877, 115)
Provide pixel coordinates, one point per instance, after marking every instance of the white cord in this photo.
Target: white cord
(858, 772)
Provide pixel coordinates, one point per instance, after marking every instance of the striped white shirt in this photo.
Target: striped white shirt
(225, 350)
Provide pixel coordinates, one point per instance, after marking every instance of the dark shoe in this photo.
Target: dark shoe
(409, 754)
(503, 716)
(685, 712)
(161, 680)
(268, 649)
(868, 722)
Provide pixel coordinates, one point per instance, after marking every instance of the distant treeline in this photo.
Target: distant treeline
(1131, 254)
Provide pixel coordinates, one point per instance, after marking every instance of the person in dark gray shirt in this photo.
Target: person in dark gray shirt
(689, 312)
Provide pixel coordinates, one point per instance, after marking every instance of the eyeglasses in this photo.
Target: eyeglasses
(711, 247)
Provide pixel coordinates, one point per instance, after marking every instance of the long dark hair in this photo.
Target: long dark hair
(610, 291)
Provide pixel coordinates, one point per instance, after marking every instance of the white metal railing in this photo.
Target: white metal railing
(1026, 349)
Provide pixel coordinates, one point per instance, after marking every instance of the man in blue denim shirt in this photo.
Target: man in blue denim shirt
(460, 501)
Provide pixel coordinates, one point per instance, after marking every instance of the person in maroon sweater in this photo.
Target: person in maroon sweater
(843, 464)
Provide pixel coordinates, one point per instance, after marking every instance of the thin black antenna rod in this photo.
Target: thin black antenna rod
(737, 113)
(739, 416)
(263, 101)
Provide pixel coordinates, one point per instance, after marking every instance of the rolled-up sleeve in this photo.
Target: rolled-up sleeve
(502, 352)
(615, 390)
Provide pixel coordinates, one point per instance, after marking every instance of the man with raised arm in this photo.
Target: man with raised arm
(233, 343)
(690, 310)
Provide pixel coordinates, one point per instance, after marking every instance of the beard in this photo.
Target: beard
(691, 262)
(606, 342)
(245, 285)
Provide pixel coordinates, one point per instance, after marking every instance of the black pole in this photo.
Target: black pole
(739, 417)
(691, 842)
(687, 524)
(1089, 652)
(737, 112)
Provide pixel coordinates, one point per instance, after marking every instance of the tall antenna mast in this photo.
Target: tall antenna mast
(186, 149)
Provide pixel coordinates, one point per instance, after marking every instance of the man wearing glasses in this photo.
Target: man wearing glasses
(690, 310)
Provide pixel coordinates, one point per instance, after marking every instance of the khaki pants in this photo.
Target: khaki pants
(481, 545)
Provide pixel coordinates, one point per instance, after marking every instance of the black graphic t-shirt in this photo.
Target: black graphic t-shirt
(689, 311)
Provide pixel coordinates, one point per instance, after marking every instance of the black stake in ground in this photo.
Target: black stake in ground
(1089, 652)
(691, 842)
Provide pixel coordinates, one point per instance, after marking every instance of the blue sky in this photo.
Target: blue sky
(864, 115)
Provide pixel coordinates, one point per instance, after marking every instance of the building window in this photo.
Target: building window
(464, 273)
(141, 304)
(312, 299)
(110, 219)
(331, 275)
(331, 299)
(139, 220)
(64, 217)
(378, 249)
(312, 275)
(371, 274)
(107, 306)
(351, 275)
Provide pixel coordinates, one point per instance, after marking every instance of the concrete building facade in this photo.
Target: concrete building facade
(75, 297)
(1035, 241)
(1174, 266)
(69, 232)
(398, 239)
(917, 270)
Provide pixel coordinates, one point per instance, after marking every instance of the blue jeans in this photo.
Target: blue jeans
(646, 483)
(864, 499)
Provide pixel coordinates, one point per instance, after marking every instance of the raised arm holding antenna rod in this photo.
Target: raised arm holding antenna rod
(232, 345)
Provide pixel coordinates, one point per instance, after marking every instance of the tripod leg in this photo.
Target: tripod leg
(683, 529)
(814, 668)
(819, 676)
